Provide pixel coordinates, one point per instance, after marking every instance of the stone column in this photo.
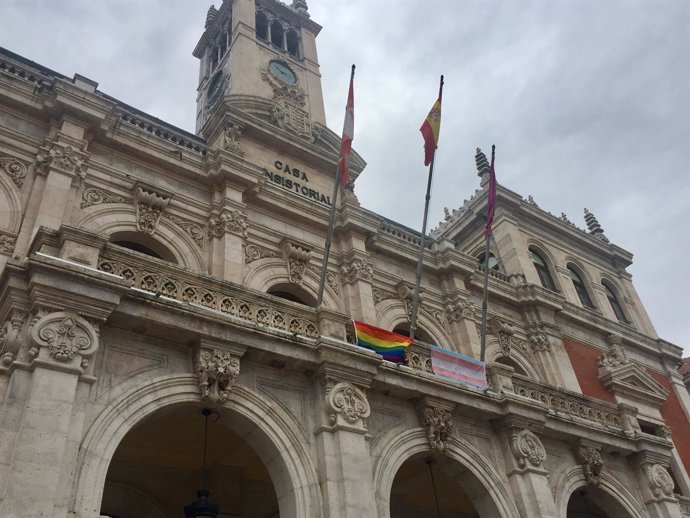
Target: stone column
(656, 485)
(344, 459)
(525, 456)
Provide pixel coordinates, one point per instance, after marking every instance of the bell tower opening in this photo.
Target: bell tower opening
(238, 36)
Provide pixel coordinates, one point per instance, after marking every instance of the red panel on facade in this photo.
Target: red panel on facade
(584, 361)
(674, 417)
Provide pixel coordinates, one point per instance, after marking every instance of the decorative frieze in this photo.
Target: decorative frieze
(95, 196)
(217, 371)
(438, 421)
(15, 169)
(357, 270)
(527, 449)
(64, 334)
(589, 457)
(347, 401)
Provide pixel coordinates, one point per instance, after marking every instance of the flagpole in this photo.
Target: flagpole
(331, 223)
(418, 279)
(485, 298)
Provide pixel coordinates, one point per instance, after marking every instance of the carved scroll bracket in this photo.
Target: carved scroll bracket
(65, 336)
(150, 203)
(527, 449)
(589, 457)
(297, 259)
(660, 482)
(347, 406)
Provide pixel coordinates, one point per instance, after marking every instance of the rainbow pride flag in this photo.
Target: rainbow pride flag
(386, 343)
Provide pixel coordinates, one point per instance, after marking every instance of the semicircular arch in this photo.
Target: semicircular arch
(494, 353)
(122, 218)
(391, 313)
(256, 420)
(574, 478)
(271, 271)
(395, 448)
(10, 206)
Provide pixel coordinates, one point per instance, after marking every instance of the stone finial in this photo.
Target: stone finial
(301, 7)
(483, 168)
(210, 16)
(594, 227)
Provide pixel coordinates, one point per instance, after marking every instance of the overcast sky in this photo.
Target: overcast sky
(587, 101)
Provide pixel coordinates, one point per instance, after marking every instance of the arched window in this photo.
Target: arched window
(615, 304)
(140, 242)
(292, 40)
(293, 293)
(419, 333)
(580, 288)
(261, 26)
(542, 271)
(278, 34)
(493, 262)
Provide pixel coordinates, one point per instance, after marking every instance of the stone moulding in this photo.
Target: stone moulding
(195, 289)
(217, 371)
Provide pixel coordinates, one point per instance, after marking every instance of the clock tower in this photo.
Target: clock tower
(259, 56)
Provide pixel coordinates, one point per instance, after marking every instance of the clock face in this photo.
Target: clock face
(214, 85)
(282, 72)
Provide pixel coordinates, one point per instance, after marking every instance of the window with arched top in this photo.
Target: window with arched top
(143, 244)
(292, 41)
(419, 333)
(293, 293)
(580, 288)
(262, 26)
(614, 302)
(493, 262)
(542, 270)
(277, 34)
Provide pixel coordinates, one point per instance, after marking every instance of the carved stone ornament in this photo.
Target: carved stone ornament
(189, 227)
(231, 138)
(539, 340)
(150, 205)
(7, 243)
(527, 448)
(10, 337)
(290, 117)
(357, 270)
(346, 400)
(96, 196)
(505, 333)
(217, 371)
(381, 295)
(16, 169)
(231, 221)
(592, 463)
(62, 157)
(660, 482)
(459, 309)
(439, 426)
(255, 252)
(616, 355)
(65, 334)
(297, 259)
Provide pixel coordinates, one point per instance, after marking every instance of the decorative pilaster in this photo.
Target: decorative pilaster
(357, 275)
(227, 232)
(657, 485)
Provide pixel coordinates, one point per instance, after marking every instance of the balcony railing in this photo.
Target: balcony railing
(166, 280)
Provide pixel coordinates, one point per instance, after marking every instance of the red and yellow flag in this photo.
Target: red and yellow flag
(430, 130)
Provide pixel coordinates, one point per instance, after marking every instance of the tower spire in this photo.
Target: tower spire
(483, 168)
(594, 227)
(210, 15)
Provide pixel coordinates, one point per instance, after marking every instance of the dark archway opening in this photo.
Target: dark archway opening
(143, 244)
(592, 502)
(293, 293)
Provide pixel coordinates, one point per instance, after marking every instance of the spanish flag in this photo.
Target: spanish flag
(386, 343)
(430, 130)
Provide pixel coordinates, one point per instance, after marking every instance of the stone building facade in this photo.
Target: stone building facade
(148, 273)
